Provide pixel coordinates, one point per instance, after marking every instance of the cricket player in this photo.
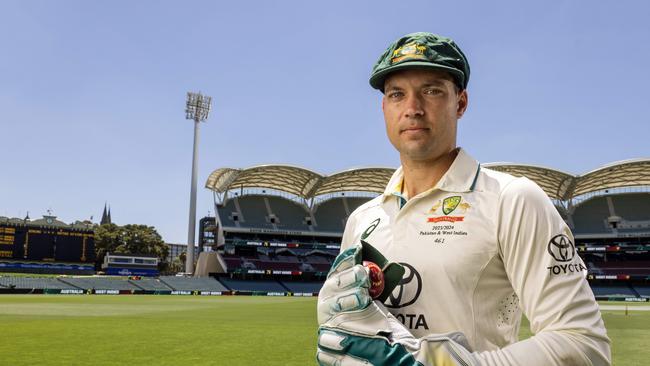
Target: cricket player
(478, 247)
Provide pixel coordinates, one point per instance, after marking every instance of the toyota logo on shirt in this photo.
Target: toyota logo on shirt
(561, 248)
(408, 289)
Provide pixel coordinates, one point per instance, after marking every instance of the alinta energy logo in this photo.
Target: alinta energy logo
(449, 205)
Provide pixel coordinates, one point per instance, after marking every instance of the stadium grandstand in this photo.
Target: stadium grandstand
(277, 229)
(278, 224)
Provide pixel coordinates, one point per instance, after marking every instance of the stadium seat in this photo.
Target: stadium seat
(303, 287)
(631, 267)
(643, 290)
(192, 283)
(290, 215)
(330, 215)
(254, 212)
(590, 216)
(99, 283)
(610, 290)
(253, 285)
(632, 206)
(150, 284)
(35, 283)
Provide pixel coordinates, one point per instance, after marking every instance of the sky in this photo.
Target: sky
(92, 94)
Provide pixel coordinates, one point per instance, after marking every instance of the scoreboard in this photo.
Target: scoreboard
(7, 238)
(46, 244)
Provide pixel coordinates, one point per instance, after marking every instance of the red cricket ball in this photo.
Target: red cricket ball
(376, 279)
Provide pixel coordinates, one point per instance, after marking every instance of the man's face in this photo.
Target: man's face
(421, 109)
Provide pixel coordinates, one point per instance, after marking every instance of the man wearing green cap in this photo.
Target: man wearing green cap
(477, 247)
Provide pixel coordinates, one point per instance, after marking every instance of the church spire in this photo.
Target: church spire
(106, 216)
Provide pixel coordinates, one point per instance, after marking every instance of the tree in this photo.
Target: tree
(131, 240)
(107, 238)
(176, 265)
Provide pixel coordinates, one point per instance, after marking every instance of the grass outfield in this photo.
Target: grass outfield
(175, 330)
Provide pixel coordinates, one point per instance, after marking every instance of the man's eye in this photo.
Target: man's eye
(432, 91)
(395, 94)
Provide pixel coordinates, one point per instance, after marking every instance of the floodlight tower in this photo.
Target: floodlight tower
(197, 109)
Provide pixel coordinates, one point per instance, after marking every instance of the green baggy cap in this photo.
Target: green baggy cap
(422, 50)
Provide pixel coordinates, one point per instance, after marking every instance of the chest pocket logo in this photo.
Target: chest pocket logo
(408, 289)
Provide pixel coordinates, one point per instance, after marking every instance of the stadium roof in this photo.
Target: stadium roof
(299, 181)
(307, 184)
(625, 173)
(564, 186)
(362, 180)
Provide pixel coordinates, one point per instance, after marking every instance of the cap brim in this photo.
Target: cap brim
(377, 80)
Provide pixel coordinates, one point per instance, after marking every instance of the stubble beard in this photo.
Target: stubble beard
(418, 151)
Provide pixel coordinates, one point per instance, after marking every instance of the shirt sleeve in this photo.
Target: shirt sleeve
(540, 260)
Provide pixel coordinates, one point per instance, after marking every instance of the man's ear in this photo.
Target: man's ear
(462, 103)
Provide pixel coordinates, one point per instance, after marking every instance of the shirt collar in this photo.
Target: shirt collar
(460, 177)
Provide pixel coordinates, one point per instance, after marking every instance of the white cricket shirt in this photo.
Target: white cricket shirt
(480, 247)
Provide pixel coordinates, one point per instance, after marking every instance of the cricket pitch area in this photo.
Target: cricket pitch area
(205, 330)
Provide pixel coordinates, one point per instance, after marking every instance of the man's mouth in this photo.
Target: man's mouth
(413, 129)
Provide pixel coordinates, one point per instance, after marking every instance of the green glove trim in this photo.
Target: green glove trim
(377, 351)
(353, 251)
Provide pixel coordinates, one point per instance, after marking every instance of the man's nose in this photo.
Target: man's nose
(414, 106)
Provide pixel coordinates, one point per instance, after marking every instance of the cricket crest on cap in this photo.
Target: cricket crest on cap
(409, 51)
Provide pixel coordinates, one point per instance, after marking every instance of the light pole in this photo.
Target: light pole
(197, 109)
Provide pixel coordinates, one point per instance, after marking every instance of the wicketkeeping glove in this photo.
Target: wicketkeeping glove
(373, 336)
(355, 330)
(346, 287)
